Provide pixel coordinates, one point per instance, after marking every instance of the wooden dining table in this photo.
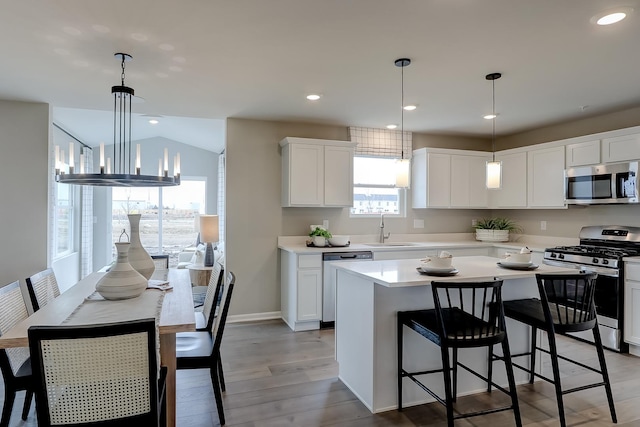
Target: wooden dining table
(176, 315)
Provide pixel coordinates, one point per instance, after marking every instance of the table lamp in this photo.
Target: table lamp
(209, 235)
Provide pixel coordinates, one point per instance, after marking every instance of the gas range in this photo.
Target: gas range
(589, 255)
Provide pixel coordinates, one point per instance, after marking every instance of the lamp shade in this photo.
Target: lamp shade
(209, 228)
(494, 175)
(402, 173)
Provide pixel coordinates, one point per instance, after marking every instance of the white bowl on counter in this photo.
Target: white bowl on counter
(341, 240)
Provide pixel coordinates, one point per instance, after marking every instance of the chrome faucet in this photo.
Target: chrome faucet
(382, 236)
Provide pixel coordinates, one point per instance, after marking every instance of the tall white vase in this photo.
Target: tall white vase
(121, 281)
(138, 257)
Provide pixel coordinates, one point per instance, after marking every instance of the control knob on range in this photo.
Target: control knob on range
(605, 261)
(595, 260)
(561, 256)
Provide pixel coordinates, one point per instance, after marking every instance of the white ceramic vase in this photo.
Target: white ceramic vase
(139, 258)
(121, 281)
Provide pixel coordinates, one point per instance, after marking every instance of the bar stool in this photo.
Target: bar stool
(466, 315)
(566, 304)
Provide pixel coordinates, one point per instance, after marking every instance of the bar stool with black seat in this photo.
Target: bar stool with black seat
(566, 304)
(466, 315)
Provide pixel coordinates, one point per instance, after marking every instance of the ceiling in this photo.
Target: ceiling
(197, 62)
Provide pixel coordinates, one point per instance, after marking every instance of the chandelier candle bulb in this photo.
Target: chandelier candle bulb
(137, 159)
(108, 164)
(80, 159)
(61, 161)
(71, 160)
(102, 157)
(159, 167)
(166, 162)
(178, 165)
(57, 162)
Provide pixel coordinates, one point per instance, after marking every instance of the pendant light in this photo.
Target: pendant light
(122, 173)
(494, 168)
(402, 165)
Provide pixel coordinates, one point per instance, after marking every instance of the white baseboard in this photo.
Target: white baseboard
(236, 318)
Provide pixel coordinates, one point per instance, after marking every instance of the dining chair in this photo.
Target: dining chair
(466, 315)
(42, 288)
(566, 304)
(102, 374)
(15, 363)
(201, 349)
(205, 316)
(161, 262)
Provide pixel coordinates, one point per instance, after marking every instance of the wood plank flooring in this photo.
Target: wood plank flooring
(279, 378)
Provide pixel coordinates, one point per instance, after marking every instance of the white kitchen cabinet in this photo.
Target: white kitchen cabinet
(301, 290)
(632, 304)
(545, 180)
(513, 193)
(448, 179)
(621, 148)
(583, 153)
(421, 252)
(317, 173)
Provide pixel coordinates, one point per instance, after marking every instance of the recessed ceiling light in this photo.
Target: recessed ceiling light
(154, 121)
(313, 97)
(410, 107)
(490, 116)
(611, 16)
(392, 126)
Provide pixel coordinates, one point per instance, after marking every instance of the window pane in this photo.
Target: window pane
(372, 200)
(131, 201)
(181, 204)
(374, 171)
(63, 220)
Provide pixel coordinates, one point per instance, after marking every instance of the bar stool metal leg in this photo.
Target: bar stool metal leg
(532, 367)
(400, 376)
(605, 373)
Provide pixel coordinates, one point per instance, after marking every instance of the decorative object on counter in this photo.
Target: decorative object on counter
(336, 240)
(524, 256)
(126, 171)
(139, 258)
(452, 271)
(122, 281)
(209, 233)
(319, 236)
(494, 168)
(495, 229)
(441, 261)
(517, 266)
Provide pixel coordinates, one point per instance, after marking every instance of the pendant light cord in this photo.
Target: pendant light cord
(402, 114)
(493, 138)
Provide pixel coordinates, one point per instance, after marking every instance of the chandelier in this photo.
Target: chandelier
(122, 173)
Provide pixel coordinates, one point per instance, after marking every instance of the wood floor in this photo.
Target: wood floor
(279, 378)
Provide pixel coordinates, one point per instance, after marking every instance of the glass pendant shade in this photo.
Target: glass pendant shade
(402, 173)
(494, 175)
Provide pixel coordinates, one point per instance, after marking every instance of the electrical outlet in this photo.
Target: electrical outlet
(543, 225)
(325, 224)
(418, 223)
(474, 222)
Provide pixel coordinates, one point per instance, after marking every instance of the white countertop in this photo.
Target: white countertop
(402, 273)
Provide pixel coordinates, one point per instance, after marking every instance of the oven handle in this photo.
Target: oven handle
(609, 272)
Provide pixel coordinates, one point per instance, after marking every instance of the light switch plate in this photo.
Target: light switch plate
(418, 223)
(325, 224)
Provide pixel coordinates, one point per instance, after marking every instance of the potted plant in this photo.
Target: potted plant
(319, 236)
(495, 229)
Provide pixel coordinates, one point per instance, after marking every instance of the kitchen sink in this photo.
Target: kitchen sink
(382, 245)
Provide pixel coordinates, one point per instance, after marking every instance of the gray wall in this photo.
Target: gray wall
(24, 138)
(194, 162)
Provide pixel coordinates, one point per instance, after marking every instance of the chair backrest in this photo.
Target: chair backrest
(214, 295)
(221, 319)
(469, 314)
(12, 311)
(106, 373)
(42, 288)
(161, 262)
(568, 300)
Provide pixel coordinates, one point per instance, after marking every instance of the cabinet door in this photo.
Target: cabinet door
(438, 180)
(583, 153)
(632, 312)
(338, 176)
(621, 148)
(468, 187)
(546, 177)
(513, 193)
(306, 175)
(309, 294)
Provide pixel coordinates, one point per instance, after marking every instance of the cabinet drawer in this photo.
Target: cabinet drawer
(632, 271)
(309, 261)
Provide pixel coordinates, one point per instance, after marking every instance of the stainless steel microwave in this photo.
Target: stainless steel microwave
(602, 184)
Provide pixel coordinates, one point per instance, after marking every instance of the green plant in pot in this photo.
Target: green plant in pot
(319, 236)
(495, 229)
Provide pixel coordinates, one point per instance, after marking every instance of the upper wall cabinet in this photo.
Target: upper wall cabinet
(545, 180)
(317, 172)
(513, 193)
(583, 153)
(443, 178)
(621, 148)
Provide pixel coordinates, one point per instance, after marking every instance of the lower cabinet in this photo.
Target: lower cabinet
(422, 252)
(301, 290)
(632, 304)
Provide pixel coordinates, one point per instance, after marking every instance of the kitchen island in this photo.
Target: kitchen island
(369, 294)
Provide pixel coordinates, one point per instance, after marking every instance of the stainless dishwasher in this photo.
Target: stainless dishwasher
(329, 281)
